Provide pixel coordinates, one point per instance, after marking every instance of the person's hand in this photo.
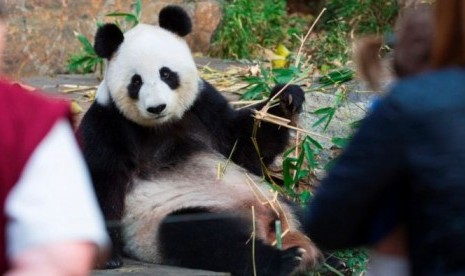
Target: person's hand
(67, 258)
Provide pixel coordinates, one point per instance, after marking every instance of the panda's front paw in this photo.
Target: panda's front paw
(290, 260)
(291, 99)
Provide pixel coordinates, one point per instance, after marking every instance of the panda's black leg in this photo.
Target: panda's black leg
(115, 260)
(200, 239)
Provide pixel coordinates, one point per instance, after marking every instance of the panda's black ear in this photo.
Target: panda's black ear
(176, 20)
(107, 40)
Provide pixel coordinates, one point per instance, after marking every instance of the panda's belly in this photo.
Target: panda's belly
(193, 183)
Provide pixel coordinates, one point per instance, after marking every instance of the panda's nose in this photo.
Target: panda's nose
(156, 109)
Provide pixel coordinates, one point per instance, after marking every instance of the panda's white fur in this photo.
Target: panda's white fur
(136, 56)
(235, 191)
(149, 167)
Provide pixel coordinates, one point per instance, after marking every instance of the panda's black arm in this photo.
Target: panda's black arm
(110, 194)
(271, 139)
(106, 147)
(107, 156)
(229, 126)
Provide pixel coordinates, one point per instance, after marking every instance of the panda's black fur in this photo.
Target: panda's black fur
(155, 170)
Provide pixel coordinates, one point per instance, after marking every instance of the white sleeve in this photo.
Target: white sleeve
(53, 200)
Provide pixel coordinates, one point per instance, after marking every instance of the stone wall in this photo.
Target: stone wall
(41, 36)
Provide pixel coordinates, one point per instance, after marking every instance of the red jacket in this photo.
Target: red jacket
(25, 119)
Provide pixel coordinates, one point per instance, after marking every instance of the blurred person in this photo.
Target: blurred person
(412, 44)
(51, 223)
(412, 56)
(408, 155)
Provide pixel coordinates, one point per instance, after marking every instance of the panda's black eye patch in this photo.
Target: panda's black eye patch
(169, 77)
(134, 86)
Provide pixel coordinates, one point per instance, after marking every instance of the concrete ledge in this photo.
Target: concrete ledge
(133, 267)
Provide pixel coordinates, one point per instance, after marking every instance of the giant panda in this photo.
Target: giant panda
(153, 140)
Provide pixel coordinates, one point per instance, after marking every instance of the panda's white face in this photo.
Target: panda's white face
(152, 78)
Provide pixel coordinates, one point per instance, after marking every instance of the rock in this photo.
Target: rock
(207, 17)
(40, 36)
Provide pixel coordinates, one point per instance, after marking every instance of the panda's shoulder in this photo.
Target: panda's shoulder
(209, 96)
(100, 113)
(210, 106)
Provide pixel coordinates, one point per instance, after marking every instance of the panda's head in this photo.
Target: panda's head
(151, 75)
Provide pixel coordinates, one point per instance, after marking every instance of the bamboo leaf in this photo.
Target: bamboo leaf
(298, 167)
(340, 142)
(314, 142)
(302, 174)
(305, 197)
(309, 155)
(289, 151)
(330, 117)
(256, 92)
(138, 9)
(323, 110)
(321, 120)
(264, 73)
(119, 14)
(86, 45)
(252, 79)
(282, 75)
(337, 77)
(287, 175)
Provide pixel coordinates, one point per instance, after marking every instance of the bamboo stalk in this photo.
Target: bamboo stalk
(253, 242)
(270, 119)
(299, 53)
(278, 230)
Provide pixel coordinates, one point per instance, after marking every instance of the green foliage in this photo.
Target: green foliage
(345, 19)
(326, 114)
(361, 16)
(335, 78)
(329, 49)
(354, 259)
(87, 61)
(301, 167)
(247, 24)
(130, 19)
(340, 142)
(259, 87)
